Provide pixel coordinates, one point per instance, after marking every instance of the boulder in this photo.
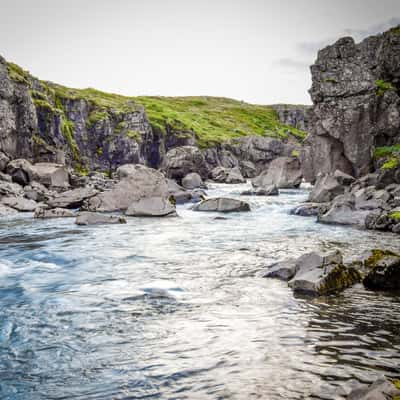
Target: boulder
(44, 213)
(344, 212)
(5, 211)
(51, 175)
(72, 198)
(180, 161)
(310, 209)
(5, 177)
(4, 160)
(381, 389)
(227, 175)
(192, 181)
(343, 179)
(142, 183)
(326, 189)
(19, 203)
(10, 189)
(283, 172)
(151, 207)
(222, 204)
(323, 274)
(270, 190)
(90, 218)
(21, 171)
(383, 270)
(283, 270)
(38, 192)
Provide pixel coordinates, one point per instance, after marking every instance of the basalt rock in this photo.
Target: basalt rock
(222, 204)
(355, 91)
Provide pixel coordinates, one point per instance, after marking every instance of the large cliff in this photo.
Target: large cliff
(355, 91)
(92, 130)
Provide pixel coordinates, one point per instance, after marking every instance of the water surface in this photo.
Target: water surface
(174, 308)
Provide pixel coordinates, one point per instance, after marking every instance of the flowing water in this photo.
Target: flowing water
(174, 308)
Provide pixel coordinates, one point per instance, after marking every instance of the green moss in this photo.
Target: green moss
(339, 278)
(295, 153)
(36, 95)
(135, 135)
(17, 74)
(376, 256)
(67, 128)
(120, 127)
(81, 170)
(391, 163)
(44, 104)
(330, 80)
(96, 116)
(383, 87)
(395, 215)
(395, 30)
(386, 151)
(99, 151)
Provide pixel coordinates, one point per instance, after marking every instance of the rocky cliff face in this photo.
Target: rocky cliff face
(294, 115)
(355, 91)
(91, 130)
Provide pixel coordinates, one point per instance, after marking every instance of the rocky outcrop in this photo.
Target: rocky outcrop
(72, 198)
(227, 175)
(355, 91)
(381, 389)
(222, 204)
(44, 213)
(294, 115)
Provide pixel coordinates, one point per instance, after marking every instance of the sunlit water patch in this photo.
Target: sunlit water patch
(174, 308)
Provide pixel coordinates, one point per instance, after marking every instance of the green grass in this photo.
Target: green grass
(391, 163)
(17, 74)
(396, 30)
(96, 116)
(67, 128)
(383, 87)
(214, 119)
(395, 215)
(386, 151)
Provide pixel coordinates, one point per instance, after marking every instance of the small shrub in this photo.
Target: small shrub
(383, 87)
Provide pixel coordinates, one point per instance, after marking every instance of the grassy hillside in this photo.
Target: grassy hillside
(213, 119)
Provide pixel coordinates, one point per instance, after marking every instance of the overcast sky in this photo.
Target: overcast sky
(258, 51)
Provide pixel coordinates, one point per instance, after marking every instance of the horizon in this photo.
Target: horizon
(239, 60)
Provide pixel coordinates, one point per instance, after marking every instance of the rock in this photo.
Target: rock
(72, 198)
(192, 181)
(5, 211)
(4, 160)
(310, 209)
(20, 177)
(144, 182)
(222, 204)
(44, 213)
(198, 195)
(323, 274)
(10, 189)
(383, 268)
(351, 111)
(227, 175)
(51, 175)
(381, 389)
(126, 170)
(270, 190)
(90, 218)
(294, 115)
(38, 192)
(326, 189)
(180, 161)
(21, 171)
(283, 172)
(151, 207)
(19, 203)
(284, 270)
(343, 211)
(5, 177)
(343, 179)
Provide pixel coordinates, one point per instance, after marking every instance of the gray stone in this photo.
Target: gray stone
(381, 389)
(283, 172)
(5, 211)
(310, 209)
(227, 175)
(90, 218)
(72, 198)
(151, 207)
(192, 181)
(45, 213)
(222, 204)
(142, 183)
(283, 270)
(19, 203)
(326, 189)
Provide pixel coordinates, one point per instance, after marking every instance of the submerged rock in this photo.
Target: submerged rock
(90, 218)
(151, 207)
(222, 204)
(310, 209)
(44, 213)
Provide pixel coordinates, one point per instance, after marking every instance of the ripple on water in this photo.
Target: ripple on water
(174, 308)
